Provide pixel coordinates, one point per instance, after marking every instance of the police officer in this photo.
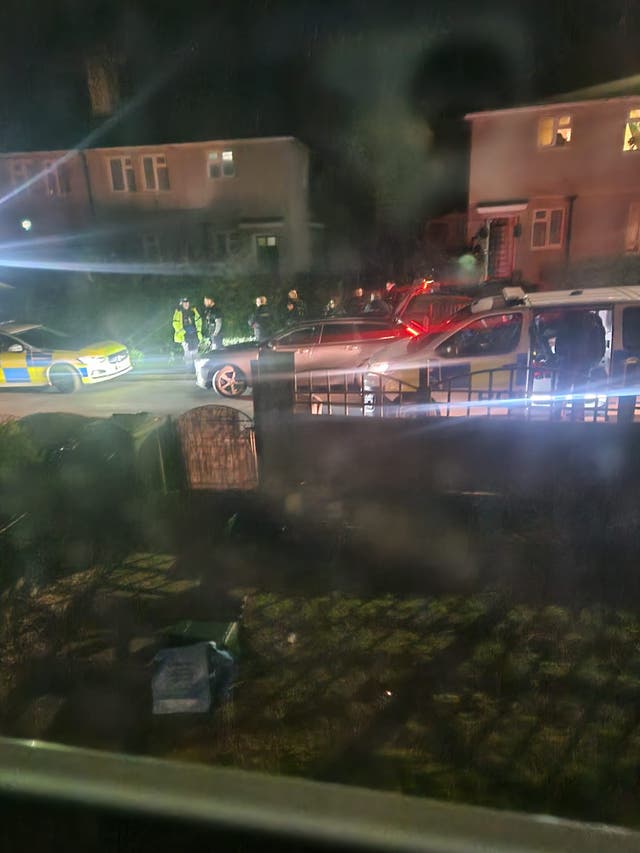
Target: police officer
(299, 309)
(187, 329)
(290, 317)
(261, 321)
(212, 317)
(357, 303)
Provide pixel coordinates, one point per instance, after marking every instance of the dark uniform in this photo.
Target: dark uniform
(212, 317)
(261, 322)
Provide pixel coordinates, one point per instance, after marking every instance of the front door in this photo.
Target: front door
(268, 253)
(500, 249)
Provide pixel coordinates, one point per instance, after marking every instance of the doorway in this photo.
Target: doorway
(500, 249)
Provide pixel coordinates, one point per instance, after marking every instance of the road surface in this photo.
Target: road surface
(160, 395)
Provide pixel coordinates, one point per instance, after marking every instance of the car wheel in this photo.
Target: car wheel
(65, 379)
(229, 381)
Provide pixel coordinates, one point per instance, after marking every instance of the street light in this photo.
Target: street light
(26, 225)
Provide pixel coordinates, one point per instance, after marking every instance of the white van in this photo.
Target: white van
(517, 345)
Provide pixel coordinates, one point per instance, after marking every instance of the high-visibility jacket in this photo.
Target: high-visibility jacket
(180, 324)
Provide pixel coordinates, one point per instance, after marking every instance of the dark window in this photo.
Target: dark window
(156, 172)
(305, 335)
(149, 173)
(495, 335)
(64, 180)
(631, 329)
(555, 228)
(335, 333)
(214, 165)
(117, 175)
(163, 177)
(123, 176)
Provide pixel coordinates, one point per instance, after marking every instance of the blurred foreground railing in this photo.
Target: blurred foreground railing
(514, 391)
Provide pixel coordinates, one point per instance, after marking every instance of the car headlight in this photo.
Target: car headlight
(93, 359)
(379, 366)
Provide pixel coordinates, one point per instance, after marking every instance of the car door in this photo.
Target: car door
(469, 361)
(339, 347)
(301, 341)
(13, 362)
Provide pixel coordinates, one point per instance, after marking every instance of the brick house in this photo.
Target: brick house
(241, 203)
(556, 183)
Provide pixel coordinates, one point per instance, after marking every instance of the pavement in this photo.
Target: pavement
(158, 392)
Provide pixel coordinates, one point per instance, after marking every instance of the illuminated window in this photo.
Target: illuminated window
(123, 176)
(547, 229)
(228, 166)
(554, 131)
(267, 242)
(221, 164)
(156, 172)
(57, 178)
(632, 132)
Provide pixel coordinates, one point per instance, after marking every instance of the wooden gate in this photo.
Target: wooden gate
(218, 448)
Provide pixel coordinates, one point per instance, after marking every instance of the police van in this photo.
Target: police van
(531, 346)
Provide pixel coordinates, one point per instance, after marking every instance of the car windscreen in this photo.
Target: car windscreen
(423, 341)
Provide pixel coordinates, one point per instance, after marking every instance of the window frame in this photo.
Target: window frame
(549, 211)
(267, 245)
(632, 229)
(56, 185)
(156, 169)
(217, 158)
(128, 172)
(23, 166)
(557, 127)
(282, 338)
(345, 337)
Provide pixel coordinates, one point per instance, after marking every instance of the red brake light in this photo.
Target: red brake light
(412, 331)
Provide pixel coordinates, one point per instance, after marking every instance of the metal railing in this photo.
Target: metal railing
(524, 392)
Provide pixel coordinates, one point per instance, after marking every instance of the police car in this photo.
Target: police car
(32, 355)
(509, 346)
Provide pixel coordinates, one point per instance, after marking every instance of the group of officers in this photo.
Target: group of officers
(201, 328)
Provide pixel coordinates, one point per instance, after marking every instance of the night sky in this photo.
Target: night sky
(376, 89)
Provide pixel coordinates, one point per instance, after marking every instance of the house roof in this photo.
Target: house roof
(254, 140)
(624, 89)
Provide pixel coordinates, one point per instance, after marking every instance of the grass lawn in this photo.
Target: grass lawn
(468, 698)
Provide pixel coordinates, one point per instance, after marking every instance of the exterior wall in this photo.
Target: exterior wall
(508, 165)
(267, 196)
(57, 214)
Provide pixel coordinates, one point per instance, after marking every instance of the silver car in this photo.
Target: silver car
(339, 344)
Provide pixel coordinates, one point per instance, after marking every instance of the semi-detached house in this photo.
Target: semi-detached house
(240, 202)
(556, 183)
